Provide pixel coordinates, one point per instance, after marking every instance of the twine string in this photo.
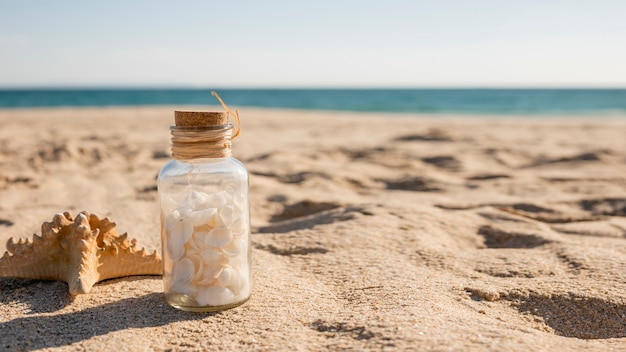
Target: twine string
(230, 113)
(206, 141)
(202, 142)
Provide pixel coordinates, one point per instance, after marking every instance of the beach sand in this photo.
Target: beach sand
(370, 232)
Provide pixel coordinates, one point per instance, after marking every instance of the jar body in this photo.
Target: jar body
(205, 233)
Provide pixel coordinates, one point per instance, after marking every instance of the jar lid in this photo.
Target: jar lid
(200, 118)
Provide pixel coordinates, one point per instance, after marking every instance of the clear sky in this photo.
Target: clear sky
(297, 43)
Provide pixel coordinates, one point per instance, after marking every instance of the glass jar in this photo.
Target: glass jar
(205, 217)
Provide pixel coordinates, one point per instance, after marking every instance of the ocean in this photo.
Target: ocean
(597, 102)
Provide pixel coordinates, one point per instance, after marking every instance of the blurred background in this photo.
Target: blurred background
(483, 56)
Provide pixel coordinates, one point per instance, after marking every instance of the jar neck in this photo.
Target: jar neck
(201, 142)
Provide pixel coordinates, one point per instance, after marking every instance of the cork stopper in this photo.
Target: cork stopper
(200, 118)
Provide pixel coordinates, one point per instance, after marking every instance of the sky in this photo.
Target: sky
(297, 43)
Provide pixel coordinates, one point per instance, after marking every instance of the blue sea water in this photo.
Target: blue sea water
(458, 101)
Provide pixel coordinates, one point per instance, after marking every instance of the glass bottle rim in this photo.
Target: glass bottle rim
(228, 126)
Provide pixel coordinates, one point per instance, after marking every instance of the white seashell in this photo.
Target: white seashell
(204, 217)
(226, 277)
(177, 237)
(198, 265)
(184, 211)
(210, 274)
(183, 271)
(187, 229)
(218, 237)
(228, 215)
(175, 248)
(212, 257)
(171, 220)
(191, 247)
(197, 200)
(240, 261)
(200, 239)
(214, 296)
(218, 200)
(237, 281)
(237, 226)
(235, 247)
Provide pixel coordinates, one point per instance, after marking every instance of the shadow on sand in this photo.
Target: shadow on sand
(35, 331)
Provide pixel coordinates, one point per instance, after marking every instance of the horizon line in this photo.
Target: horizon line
(347, 87)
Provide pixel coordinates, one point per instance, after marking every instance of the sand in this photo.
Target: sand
(370, 232)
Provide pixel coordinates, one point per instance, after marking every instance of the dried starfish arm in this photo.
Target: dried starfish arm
(83, 253)
(28, 259)
(19, 261)
(130, 264)
(121, 257)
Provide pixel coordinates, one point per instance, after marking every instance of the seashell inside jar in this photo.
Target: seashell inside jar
(205, 220)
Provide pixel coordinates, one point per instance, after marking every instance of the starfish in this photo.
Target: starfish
(81, 252)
